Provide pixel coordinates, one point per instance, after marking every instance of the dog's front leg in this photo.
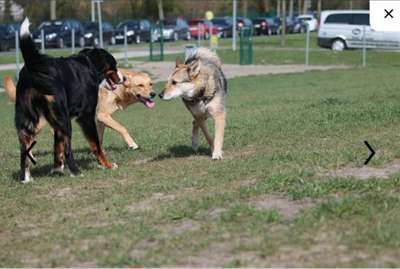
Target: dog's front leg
(204, 129)
(195, 135)
(100, 131)
(219, 120)
(113, 124)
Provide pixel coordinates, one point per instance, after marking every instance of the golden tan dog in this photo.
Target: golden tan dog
(203, 87)
(137, 87)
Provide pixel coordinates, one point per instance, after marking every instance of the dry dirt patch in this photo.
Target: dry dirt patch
(288, 208)
(366, 172)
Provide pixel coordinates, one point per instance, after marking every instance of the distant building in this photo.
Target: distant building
(17, 11)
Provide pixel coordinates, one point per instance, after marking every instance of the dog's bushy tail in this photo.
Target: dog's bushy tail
(204, 54)
(9, 87)
(29, 51)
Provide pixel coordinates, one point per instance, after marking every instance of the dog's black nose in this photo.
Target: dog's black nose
(152, 94)
(161, 95)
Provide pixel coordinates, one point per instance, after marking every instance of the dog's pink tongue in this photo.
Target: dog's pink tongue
(150, 104)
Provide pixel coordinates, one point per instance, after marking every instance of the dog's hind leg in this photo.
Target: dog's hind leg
(26, 140)
(60, 141)
(219, 120)
(195, 135)
(88, 125)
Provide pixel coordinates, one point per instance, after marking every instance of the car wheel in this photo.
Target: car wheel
(137, 39)
(188, 36)
(176, 36)
(81, 42)
(61, 44)
(338, 45)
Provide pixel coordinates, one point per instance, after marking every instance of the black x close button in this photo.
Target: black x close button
(388, 13)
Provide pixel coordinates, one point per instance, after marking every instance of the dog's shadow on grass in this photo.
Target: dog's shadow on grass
(181, 151)
(84, 162)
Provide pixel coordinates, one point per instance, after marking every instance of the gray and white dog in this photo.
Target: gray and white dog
(200, 82)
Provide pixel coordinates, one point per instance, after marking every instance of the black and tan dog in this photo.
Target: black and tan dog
(60, 89)
(203, 87)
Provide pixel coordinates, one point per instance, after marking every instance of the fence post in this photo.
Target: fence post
(364, 50)
(42, 49)
(241, 45)
(125, 46)
(250, 46)
(210, 34)
(17, 54)
(307, 44)
(73, 40)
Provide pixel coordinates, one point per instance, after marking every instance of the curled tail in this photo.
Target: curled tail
(9, 87)
(29, 51)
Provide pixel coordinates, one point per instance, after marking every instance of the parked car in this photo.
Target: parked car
(175, 29)
(300, 26)
(274, 25)
(310, 20)
(7, 35)
(137, 31)
(261, 26)
(58, 33)
(224, 25)
(92, 33)
(201, 27)
(342, 29)
(243, 22)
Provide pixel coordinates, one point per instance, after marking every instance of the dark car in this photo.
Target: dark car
(300, 26)
(175, 29)
(261, 26)
(92, 33)
(243, 22)
(58, 33)
(137, 31)
(224, 25)
(7, 35)
(274, 25)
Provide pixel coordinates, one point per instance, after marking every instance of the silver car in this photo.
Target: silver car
(344, 29)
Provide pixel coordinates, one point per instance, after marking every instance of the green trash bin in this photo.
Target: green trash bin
(246, 45)
(156, 42)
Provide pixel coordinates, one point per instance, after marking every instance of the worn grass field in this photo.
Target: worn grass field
(268, 203)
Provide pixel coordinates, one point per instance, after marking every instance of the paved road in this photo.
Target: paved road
(118, 55)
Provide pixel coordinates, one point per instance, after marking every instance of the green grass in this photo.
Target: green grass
(166, 203)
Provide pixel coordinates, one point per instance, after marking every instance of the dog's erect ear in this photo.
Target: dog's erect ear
(178, 61)
(194, 69)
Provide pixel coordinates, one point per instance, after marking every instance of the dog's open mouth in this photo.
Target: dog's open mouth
(111, 84)
(113, 80)
(146, 101)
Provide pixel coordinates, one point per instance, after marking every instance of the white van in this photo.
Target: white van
(342, 29)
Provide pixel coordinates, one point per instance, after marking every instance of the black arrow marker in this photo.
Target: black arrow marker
(372, 153)
(28, 152)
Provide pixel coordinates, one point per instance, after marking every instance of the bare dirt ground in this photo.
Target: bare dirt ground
(161, 70)
(366, 172)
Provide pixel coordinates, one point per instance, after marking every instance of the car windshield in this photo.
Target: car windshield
(51, 26)
(129, 24)
(170, 23)
(92, 26)
(3, 29)
(220, 21)
(195, 22)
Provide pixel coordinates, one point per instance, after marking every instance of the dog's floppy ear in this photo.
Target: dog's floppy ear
(193, 69)
(178, 61)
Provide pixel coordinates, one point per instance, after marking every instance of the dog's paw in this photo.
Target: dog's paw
(133, 147)
(57, 171)
(195, 145)
(76, 175)
(217, 156)
(114, 166)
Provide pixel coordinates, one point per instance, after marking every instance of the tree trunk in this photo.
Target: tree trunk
(305, 6)
(266, 5)
(53, 5)
(244, 7)
(283, 18)
(291, 8)
(299, 5)
(278, 8)
(7, 11)
(319, 8)
(160, 10)
(350, 4)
